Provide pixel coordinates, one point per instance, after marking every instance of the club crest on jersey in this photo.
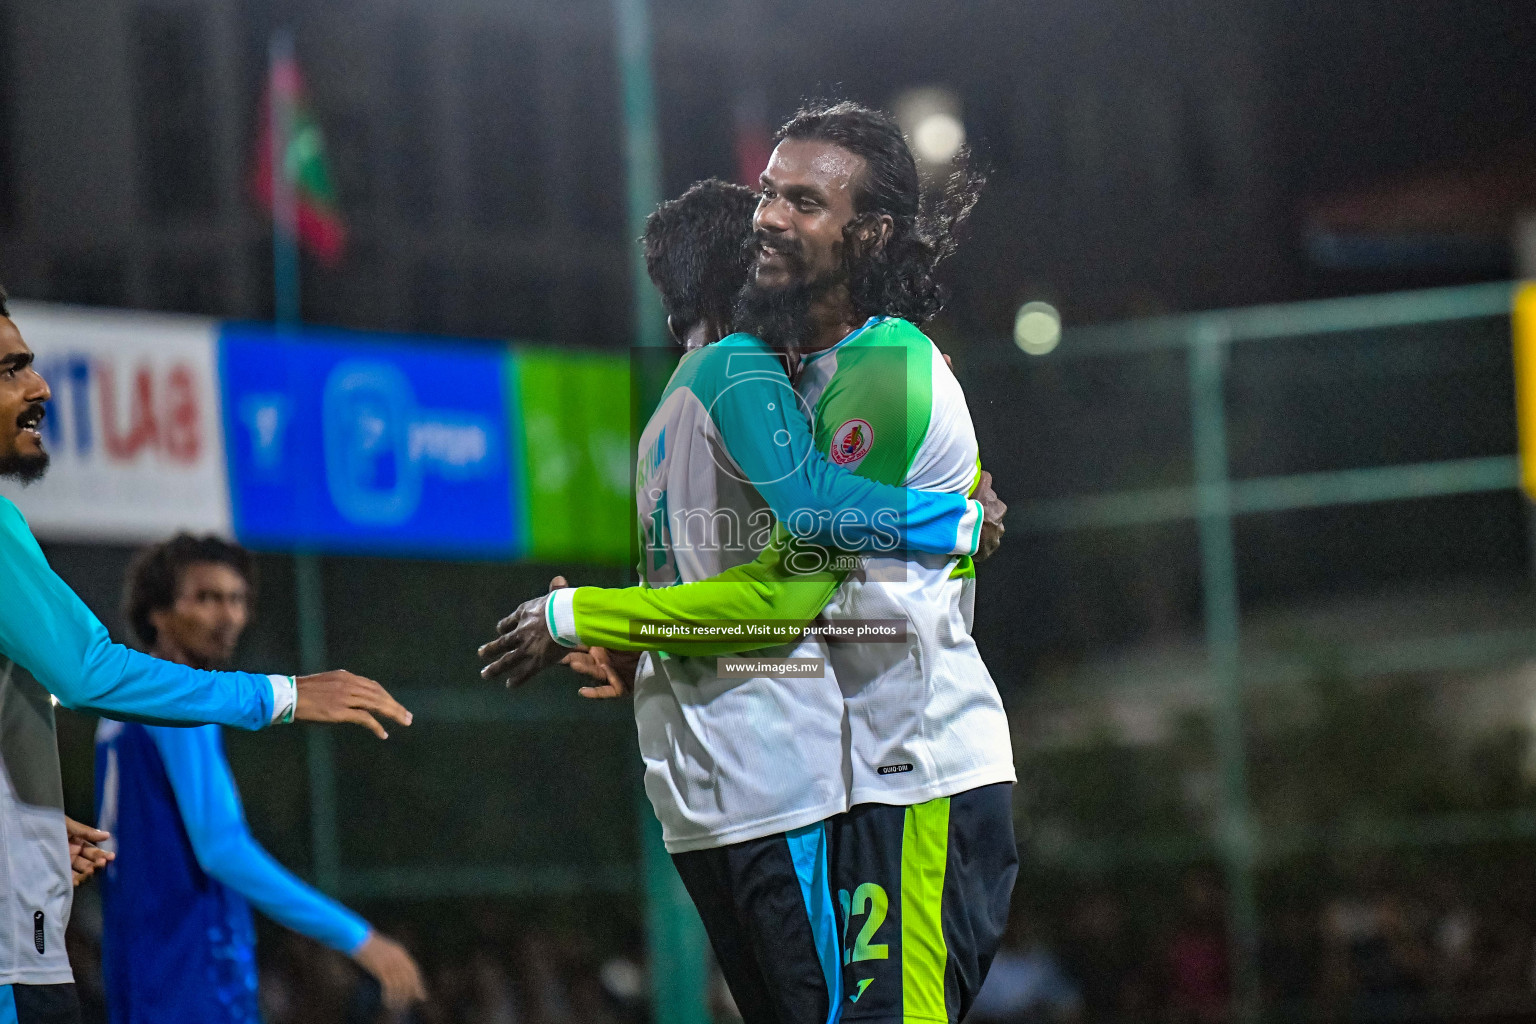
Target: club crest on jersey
(852, 442)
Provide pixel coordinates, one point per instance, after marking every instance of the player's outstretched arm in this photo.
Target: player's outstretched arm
(224, 847)
(48, 630)
(784, 588)
(765, 430)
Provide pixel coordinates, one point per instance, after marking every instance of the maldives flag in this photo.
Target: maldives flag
(312, 214)
(754, 140)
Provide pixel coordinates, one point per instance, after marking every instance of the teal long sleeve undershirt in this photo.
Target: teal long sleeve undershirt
(47, 630)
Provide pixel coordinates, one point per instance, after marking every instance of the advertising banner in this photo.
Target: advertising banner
(329, 441)
(135, 428)
(574, 411)
(355, 442)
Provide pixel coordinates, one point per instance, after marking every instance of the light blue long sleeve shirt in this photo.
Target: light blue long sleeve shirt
(47, 630)
(178, 942)
(226, 850)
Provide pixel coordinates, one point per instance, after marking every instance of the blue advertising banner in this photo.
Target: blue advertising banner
(356, 442)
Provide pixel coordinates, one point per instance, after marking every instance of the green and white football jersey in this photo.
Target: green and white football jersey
(725, 461)
(924, 716)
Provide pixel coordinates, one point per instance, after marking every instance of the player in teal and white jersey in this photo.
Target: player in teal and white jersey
(925, 859)
(743, 773)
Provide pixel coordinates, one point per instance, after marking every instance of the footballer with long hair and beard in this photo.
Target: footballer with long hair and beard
(920, 859)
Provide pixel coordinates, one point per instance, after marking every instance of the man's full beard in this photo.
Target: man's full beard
(781, 316)
(26, 468)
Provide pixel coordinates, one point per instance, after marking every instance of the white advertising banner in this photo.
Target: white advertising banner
(135, 428)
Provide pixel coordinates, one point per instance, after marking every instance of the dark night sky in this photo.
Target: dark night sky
(1377, 89)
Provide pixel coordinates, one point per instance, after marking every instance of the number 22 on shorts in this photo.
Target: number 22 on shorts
(869, 899)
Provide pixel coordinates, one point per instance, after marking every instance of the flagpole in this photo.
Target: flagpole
(309, 592)
(281, 87)
(679, 948)
(642, 158)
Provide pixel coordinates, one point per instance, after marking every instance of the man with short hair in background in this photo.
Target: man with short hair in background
(179, 942)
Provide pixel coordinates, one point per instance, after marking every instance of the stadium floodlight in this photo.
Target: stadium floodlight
(930, 117)
(1037, 328)
(938, 137)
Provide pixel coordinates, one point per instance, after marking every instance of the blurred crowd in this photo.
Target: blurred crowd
(480, 969)
(537, 977)
(1372, 952)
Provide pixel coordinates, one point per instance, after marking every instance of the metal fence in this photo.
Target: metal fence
(1179, 487)
(1255, 457)
(1220, 451)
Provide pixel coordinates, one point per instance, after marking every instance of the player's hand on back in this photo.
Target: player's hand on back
(614, 671)
(993, 511)
(523, 647)
(340, 696)
(394, 968)
(85, 856)
(992, 507)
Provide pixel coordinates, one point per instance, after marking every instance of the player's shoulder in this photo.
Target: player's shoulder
(892, 331)
(705, 373)
(889, 350)
(740, 354)
(730, 360)
(198, 743)
(12, 522)
(741, 341)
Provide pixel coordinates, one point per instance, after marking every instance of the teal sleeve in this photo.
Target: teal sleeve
(766, 430)
(224, 847)
(47, 630)
(787, 585)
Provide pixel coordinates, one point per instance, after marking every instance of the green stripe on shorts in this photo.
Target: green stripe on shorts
(924, 854)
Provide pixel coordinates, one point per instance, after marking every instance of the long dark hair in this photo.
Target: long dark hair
(898, 277)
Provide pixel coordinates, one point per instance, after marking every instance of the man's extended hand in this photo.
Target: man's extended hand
(396, 971)
(992, 522)
(614, 671)
(85, 857)
(343, 697)
(523, 647)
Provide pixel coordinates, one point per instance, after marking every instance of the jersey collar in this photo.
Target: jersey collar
(810, 357)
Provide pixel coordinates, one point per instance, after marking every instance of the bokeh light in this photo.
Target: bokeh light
(1037, 328)
(938, 137)
(930, 117)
